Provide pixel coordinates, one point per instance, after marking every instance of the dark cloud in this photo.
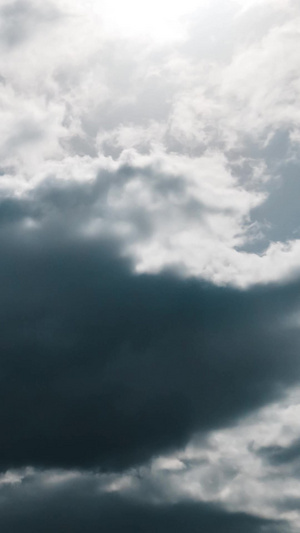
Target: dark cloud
(280, 455)
(104, 368)
(78, 505)
(288, 504)
(90, 200)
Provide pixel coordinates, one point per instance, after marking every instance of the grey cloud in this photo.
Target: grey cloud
(152, 102)
(89, 200)
(28, 131)
(104, 368)
(78, 505)
(280, 455)
(22, 17)
(288, 504)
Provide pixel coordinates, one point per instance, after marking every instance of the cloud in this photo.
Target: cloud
(149, 267)
(195, 106)
(280, 455)
(19, 19)
(95, 358)
(51, 503)
(226, 467)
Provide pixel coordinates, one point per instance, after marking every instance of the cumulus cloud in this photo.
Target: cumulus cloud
(149, 268)
(107, 100)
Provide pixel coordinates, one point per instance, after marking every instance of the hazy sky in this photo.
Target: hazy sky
(150, 266)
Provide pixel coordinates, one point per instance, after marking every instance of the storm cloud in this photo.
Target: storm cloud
(104, 368)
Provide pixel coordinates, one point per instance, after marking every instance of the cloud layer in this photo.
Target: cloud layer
(79, 504)
(103, 367)
(149, 272)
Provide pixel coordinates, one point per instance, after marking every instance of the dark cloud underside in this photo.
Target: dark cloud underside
(77, 506)
(281, 455)
(104, 368)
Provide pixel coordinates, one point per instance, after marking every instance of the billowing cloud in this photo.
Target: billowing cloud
(102, 367)
(79, 97)
(149, 272)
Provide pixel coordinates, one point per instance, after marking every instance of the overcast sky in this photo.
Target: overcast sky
(150, 266)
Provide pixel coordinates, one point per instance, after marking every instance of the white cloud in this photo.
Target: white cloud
(77, 100)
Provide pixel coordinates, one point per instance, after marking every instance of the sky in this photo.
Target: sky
(150, 266)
